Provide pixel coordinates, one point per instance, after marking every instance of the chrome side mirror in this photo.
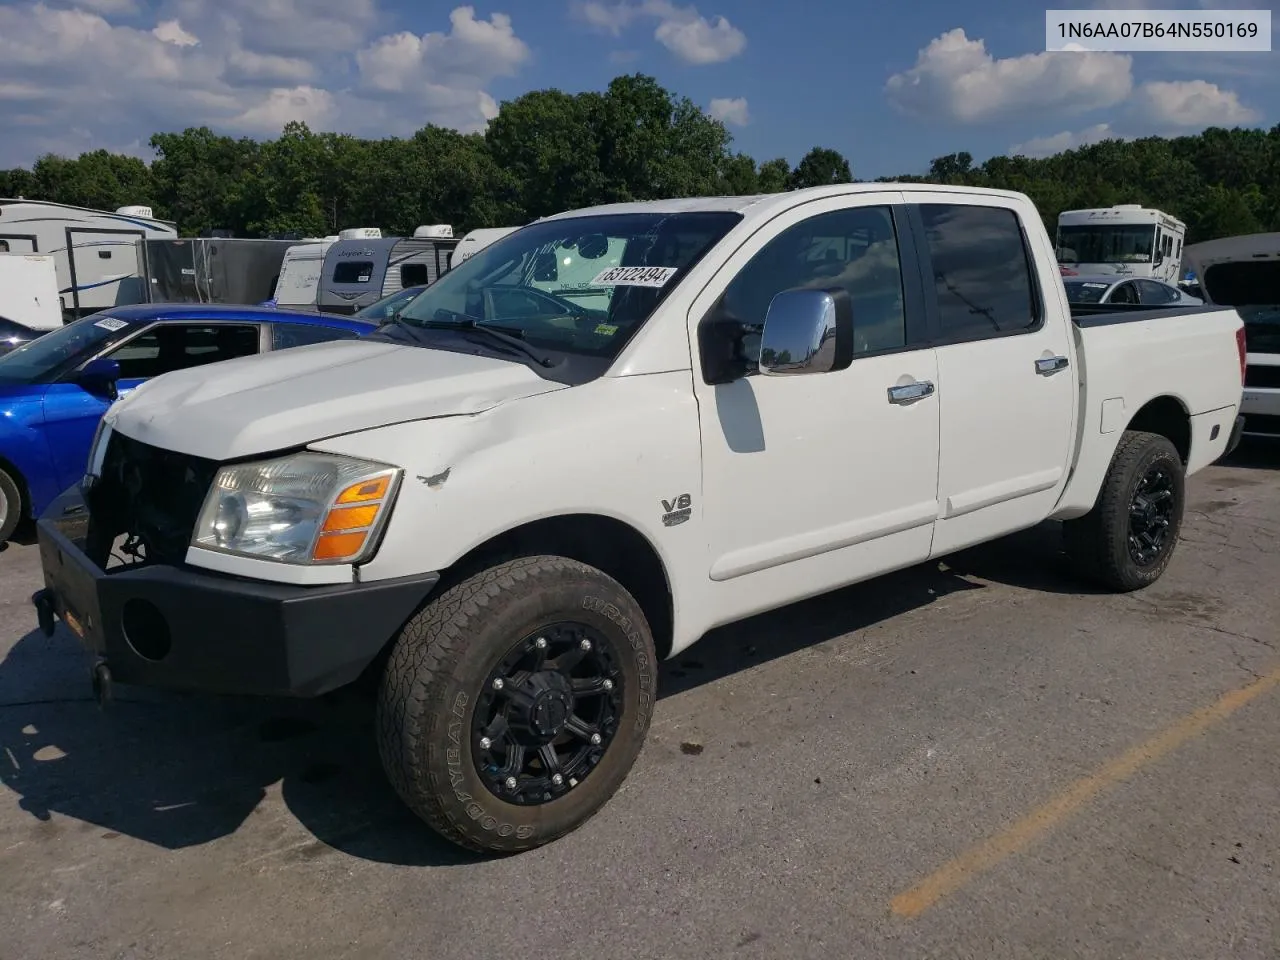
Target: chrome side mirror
(807, 331)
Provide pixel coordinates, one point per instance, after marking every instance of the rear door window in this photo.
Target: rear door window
(982, 271)
(168, 347)
(285, 335)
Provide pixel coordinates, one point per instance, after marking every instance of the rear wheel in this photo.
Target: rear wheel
(10, 506)
(514, 705)
(1127, 540)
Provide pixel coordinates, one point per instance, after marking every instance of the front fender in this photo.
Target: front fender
(24, 449)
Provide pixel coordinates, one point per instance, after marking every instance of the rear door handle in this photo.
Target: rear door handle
(910, 391)
(1051, 365)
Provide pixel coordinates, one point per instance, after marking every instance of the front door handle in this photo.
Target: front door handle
(910, 391)
(1051, 365)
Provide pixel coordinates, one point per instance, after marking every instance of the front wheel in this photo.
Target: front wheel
(1127, 540)
(514, 705)
(10, 506)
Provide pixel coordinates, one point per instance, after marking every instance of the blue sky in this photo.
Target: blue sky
(888, 86)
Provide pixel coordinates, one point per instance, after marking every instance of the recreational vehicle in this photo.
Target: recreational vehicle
(95, 252)
(211, 269)
(1127, 239)
(475, 241)
(360, 271)
(29, 302)
(299, 283)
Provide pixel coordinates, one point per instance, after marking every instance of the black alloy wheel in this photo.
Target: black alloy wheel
(547, 713)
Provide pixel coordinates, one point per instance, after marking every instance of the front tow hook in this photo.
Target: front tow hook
(42, 600)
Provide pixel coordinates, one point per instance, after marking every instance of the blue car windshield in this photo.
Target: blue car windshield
(47, 357)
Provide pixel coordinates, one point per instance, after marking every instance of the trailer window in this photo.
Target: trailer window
(353, 271)
(414, 275)
(4, 246)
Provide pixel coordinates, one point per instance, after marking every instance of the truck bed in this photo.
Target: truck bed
(1187, 360)
(1104, 314)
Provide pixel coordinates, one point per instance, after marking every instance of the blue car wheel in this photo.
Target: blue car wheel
(10, 506)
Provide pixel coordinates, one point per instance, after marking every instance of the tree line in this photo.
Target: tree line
(549, 151)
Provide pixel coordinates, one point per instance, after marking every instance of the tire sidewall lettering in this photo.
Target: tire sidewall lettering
(646, 680)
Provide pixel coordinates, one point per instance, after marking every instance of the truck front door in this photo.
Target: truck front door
(814, 481)
(1006, 391)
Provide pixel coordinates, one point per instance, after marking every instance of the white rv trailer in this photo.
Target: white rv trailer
(360, 270)
(299, 283)
(95, 251)
(29, 291)
(1128, 239)
(474, 241)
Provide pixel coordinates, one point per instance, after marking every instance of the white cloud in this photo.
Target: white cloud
(170, 31)
(732, 110)
(1066, 140)
(1191, 104)
(245, 66)
(693, 38)
(109, 7)
(71, 79)
(474, 50)
(956, 79)
(310, 105)
(1157, 108)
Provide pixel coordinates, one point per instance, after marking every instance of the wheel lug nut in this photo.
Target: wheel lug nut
(485, 743)
(497, 683)
(557, 779)
(608, 684)
(585, 644)
(511, 783)
(541, 643)
(596, 739)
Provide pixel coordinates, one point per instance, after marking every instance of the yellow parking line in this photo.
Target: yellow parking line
(1020, 835)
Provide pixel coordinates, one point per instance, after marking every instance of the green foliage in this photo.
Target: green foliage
(549, 151)
(820, 166)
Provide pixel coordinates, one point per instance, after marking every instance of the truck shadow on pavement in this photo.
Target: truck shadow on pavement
(179, 771)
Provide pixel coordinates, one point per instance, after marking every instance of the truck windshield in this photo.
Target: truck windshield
(1112, 243)
(578, 286)
(44, 359)
(1253, 288)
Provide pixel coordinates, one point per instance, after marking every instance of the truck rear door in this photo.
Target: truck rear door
(1006, 387)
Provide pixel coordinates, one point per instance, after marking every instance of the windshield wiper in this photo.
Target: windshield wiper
(511, 337)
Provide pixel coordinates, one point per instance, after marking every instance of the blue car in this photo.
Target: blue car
(55, 389)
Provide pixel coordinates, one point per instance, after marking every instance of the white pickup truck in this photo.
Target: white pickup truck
(510, 503)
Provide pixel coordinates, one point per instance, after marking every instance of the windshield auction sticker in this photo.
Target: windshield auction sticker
(634, 276)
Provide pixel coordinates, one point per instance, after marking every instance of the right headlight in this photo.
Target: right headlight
(309, 508)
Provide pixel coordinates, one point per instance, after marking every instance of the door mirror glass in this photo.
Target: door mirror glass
(807, 331)
(100, 376)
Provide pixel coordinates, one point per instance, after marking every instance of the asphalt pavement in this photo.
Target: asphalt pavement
(981, 758)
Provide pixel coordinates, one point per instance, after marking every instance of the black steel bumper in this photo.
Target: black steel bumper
(185, 629)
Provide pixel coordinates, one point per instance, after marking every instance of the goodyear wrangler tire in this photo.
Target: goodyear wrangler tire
(514, 705)
(1126, 541)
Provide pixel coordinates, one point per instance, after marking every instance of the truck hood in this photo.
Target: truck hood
(292, 397)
